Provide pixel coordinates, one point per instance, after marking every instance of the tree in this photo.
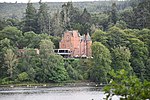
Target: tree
(30, 19)
(85, 20)
(43, 19)
(147, 70)
(13, 22)
(145, 37)
(85, 17)
(29, 39)
(72, 72)
(83, 67)
(69, 16)
(10, 61)
(14, 35)
(114, 13)
(65, 15)
(32, 40)
(54, 69)
(74, 15)
(142, 15)
(4, 45)
(127, 15)
(101, 21)
(127, 87)
(116, 37)
(121, 24)
(46, 47)
(28, 63)
(101, 63)
(52, 66)
(139, 56)
(2, 24)
(100, 36)
(120, 59)
(56, 24)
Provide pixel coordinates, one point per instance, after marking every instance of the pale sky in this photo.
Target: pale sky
(25, 1)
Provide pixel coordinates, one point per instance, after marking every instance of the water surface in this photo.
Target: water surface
(53, 93)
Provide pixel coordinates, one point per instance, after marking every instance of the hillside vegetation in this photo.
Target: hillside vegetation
(8, 10)
(120, 33)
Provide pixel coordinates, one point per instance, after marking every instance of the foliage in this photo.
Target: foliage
(6, 80)
(10, 61)
(121, 24)
(116, 37)
(28, 62)
(46, 47)
(43, 19)
(30, 19)
(2, 24)
(23, 76)
(101, 20)
(127, 87)
(13, 34)
(77, 69)
(114, 13)
(73, 74)
(28, 39)
(52, 65)
(142, 15)
(127, 16)
(139, 54)
(56, 24)
(4, 45)
(52, 69)
(102, 60)
(100, 36)
(120, 59)
(120, 32)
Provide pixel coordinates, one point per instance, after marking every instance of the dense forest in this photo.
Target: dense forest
(120, 33)
(9, 10)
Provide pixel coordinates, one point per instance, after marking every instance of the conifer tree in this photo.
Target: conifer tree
(114, 13)
(43, 19)
(30, 23)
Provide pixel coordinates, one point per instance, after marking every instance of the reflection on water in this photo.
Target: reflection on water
(54, 93)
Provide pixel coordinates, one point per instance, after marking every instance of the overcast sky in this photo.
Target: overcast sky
(25, 1)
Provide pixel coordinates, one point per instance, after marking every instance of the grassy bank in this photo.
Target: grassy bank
(68, 83)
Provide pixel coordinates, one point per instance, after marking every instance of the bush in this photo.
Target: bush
(6, 81)
(23, 77)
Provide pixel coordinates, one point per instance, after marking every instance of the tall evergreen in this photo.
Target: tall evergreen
(85, 20)
(142, 14)
(43, 19)
(114, 13)
(30, 23)
(65, 15)
(57, 25)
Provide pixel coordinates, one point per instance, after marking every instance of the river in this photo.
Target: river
(52, 93)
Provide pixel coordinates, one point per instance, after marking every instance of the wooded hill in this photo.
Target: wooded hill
(17, 10)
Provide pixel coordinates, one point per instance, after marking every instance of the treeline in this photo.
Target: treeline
(121, 40)
(40, 20)
(11, 10)
(121, 49)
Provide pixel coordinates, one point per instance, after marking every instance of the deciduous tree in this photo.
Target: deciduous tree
(102, 62)
(10, 61)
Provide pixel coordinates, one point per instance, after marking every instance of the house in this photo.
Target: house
(75, 44)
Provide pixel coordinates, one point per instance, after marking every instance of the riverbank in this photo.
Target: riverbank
(70, 84)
